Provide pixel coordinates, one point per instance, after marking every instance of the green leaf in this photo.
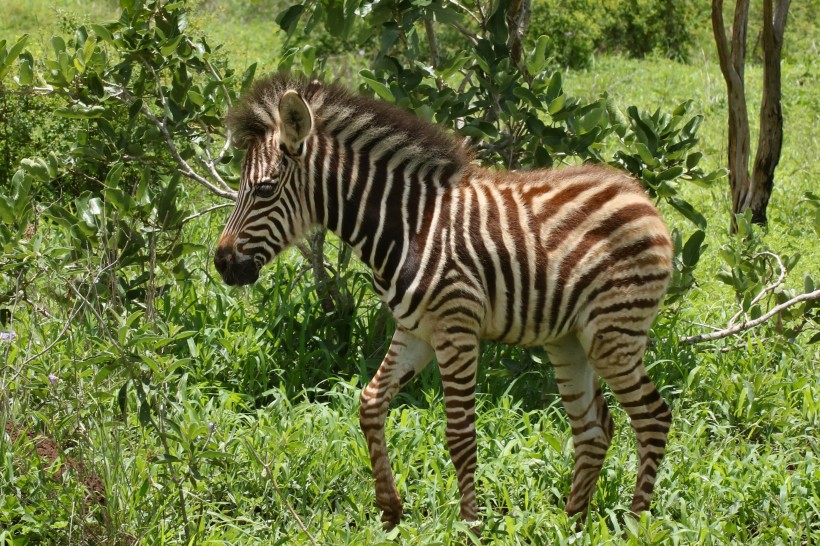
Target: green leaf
(381, 90)
(58, 44)
(538, 58)
(80, 112)
(688, 211)
(122, 397)
(7, 59)
(119, 199)
(37, 168)
(646, 156)
(497, 25)
(25, 76)
(692, 249)
(7, 211)
(670, 174)
(112, 179)
(692, 126)
(556, 104)
(145, 413)
(171, 46)
(693, 159)
(554, 87)
(287, 19)
(102, 32)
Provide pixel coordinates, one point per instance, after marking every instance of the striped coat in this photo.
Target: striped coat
(575, 260)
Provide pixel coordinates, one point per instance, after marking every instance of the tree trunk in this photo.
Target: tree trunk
(752, 191)
(771, 114)
(518, 21)
(732, 62)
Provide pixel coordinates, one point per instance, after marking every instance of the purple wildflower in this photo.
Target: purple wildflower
(7, 336)
(53, 379)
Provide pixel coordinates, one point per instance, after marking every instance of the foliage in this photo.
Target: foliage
(578, 29)
(643, 27)
(119, 344)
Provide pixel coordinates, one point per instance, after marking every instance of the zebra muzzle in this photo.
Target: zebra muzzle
(236, 269)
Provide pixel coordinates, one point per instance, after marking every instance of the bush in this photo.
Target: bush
(643, 27)
(576, 29)
(571, 28)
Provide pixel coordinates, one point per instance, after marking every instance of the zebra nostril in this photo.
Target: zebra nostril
(236, 268)
(223, 258)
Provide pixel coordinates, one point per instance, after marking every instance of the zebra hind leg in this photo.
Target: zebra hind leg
(616, 354)
(405, 358)
(457, 352)
(589, 417)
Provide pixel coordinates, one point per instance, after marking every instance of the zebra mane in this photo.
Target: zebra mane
(334, 109)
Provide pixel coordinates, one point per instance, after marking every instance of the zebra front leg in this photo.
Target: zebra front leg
(457, 353)
(406, 357)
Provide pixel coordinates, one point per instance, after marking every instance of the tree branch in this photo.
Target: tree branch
(780, 278)
(748, 325)
(184, 168)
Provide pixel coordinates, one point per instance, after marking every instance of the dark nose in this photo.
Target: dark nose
(234, 268)
(224, 258)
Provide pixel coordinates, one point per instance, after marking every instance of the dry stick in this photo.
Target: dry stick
(748, 325)
(266, 466)
(183, 167)
(204, 212)
(68, 323)
(780, 279)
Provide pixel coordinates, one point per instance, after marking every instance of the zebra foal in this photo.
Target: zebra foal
(576, 260)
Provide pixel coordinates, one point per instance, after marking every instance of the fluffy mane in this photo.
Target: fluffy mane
(334, 108)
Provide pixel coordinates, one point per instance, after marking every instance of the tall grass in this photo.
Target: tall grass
(164, 411)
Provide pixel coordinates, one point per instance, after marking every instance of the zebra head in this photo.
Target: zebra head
(270, 211)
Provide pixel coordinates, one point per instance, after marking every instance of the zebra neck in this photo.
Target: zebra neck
(376, 200)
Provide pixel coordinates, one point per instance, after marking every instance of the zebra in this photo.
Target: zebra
(574, 260)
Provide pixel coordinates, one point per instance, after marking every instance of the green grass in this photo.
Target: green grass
(229, 370)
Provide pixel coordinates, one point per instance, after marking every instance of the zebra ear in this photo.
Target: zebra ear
(296, 120)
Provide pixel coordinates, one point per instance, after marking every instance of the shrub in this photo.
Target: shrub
(643, 27)
(576, 29)
(571, 28)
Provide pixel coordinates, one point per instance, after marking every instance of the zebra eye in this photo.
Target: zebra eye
(264, 189)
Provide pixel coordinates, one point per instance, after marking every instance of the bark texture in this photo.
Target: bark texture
(752, 190)
(771, 114)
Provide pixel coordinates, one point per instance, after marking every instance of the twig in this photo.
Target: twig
(204, 212)
(184, 168)
(781, 278)
(462, 29)
(464, 8)
(268, 472)
(68, 323)
(431, 40)
(748, 325)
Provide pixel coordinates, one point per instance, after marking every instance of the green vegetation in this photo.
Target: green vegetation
(154, 387)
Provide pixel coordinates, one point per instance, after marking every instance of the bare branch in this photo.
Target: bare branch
(466, 32)
(518, 21)
(780, 279)
(748, 325)
(431, 40)
(184, 168)
(204, 212)
(464, 8)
